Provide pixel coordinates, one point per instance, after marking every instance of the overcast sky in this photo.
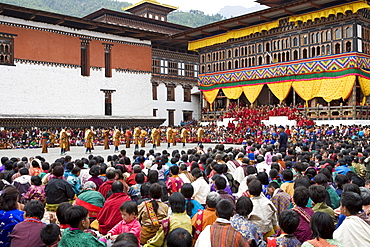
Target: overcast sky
(208, 6)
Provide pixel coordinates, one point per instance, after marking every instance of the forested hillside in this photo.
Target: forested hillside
(80, 8)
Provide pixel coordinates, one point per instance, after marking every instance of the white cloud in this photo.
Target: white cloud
(207, 6)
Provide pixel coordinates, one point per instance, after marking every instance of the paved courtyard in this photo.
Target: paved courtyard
(79, 152)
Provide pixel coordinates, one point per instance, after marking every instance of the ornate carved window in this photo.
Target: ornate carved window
(6, 49)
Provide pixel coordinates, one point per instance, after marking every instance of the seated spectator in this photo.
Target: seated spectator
(106, 186)
(68, 170)
(91, 199)
(10, 215)
(178, 219)
(221, 233)
(22, 183)
(191, 206)
(300, 198)
(153, 178)
(184, 174)
(134, 190)
(61, 214)
(174, 182)
(220, 186)
(151, 212)
(50, 235)
(263, 208)
(201, 187)
(126, 240)
(179, 238)
(322, 228)
(240, 221)
(35, 168)
(333, 199)
(288, 184)
(279, 198)
(95, 172)
(129, 224)
(78, 219)
(207, 216)
(288, 221)
(110, 214)
(131, 179)
(57, 190)
(74, 180)
(318, 194)
(35, 192)
(27, 232)
(354, 231)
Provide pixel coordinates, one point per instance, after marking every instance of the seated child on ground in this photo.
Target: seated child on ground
(129, 222)
(78, 218)
(288, 221)
(50, 235)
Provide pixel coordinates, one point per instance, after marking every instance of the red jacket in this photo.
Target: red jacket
(105, 187)
(110, 214)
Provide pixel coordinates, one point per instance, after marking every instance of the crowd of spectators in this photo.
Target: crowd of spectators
(249, 195)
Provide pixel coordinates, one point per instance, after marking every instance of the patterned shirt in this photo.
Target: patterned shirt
(248, 229)
(281, 201)
(287, 241)
(35, 193)
(174, 184)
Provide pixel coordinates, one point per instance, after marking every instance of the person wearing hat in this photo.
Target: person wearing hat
(283, 140)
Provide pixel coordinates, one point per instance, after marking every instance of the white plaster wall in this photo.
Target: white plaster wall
(178, 105)
(46, 90)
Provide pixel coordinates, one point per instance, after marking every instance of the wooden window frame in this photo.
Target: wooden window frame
(7, 41)
(187, 94)
(108, 59)
(85, 57)
(170, 93)
(155, 91)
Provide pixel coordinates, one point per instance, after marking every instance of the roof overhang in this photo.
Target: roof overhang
(75, 22)
(256, 18)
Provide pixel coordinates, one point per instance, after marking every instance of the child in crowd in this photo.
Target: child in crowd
(45, 169)
(50, 235)
(134, 191)
(68, 171)
(60, 213)
(74, 180)
(78, 218)
(23, 183)
(288, 221)
(35, 192)
(35, 168)
(129, 221)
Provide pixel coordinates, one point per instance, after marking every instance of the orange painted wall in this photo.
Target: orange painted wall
(132, 56)
(39, 45)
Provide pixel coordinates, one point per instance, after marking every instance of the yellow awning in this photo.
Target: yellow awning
(232, 34)
(324, 13)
